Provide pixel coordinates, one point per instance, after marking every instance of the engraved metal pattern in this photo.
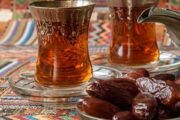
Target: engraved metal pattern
(70, 21)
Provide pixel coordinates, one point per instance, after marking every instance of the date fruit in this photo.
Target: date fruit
(137, 73)
(97, 107)
(177, 81)
(144, 106)
(125, 115)
(166, 113)
(164, 77)
(119, 92)
(166, 92)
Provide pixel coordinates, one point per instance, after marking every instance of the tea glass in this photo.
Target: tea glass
(132, 44)
(63, 60)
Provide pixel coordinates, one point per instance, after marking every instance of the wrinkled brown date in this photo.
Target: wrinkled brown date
(166, 91)
(166, 113)
(110, 96)
(97, 108)
(125, 115)
(137, 73)
(144, 106)
(119, 92)
(164, 77)
(177, 81)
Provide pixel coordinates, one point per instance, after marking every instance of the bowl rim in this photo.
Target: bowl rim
(82, 113)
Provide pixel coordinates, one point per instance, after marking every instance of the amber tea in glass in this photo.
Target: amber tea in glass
(62, 29)
(132, 43)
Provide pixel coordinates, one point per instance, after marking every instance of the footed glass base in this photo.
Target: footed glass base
(28, 86)
(23, 83)
(169, 62)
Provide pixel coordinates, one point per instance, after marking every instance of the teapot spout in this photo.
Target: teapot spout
(168, 17)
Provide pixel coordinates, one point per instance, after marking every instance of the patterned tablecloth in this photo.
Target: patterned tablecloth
(13, 107)
(17, 108)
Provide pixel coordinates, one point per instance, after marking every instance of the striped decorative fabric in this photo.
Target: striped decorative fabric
(19, 32)
(21, 4)
(23, 32)
(6, 66)
(99, 33)
(175, 5)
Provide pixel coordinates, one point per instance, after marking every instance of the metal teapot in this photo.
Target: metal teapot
(168, 17)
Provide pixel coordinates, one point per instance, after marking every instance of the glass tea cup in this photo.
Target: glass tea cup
(63, 59)
(132, 44)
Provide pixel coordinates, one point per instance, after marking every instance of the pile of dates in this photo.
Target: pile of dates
(134, 97)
